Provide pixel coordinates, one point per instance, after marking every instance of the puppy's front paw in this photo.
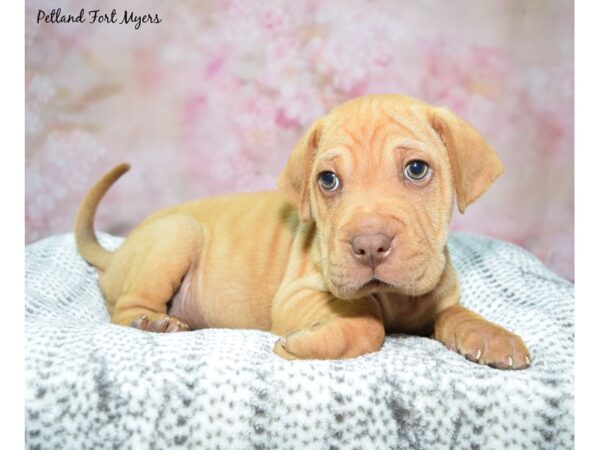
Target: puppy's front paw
(324, 340)
(333, 339)
(480, 341)
(303, 344)
(483, 342)
(166, 324)
(280, 350)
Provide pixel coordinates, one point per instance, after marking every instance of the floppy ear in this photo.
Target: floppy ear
(294, 178)
(474, 163)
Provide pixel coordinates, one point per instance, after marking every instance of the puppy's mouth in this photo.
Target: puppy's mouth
(375, 284)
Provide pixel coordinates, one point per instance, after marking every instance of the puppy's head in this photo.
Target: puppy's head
(379, 175)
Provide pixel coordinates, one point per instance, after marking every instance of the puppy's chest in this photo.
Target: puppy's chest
(404, 314)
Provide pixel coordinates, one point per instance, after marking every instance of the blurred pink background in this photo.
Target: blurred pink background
(212, 99)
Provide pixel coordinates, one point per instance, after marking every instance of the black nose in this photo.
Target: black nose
(371, 249)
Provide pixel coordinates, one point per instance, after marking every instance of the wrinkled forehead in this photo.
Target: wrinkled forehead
(369, 130)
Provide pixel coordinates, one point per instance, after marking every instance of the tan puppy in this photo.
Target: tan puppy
(353, 246)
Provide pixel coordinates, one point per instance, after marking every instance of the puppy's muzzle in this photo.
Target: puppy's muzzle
(371, 249)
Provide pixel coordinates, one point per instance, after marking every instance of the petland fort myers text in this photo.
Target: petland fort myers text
(98, 16)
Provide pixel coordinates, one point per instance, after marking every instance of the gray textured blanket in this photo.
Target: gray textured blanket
(94, 385)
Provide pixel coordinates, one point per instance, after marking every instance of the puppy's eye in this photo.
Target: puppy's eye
(416, 170)
(329, 181)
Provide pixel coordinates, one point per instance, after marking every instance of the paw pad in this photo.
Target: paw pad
(165, 324)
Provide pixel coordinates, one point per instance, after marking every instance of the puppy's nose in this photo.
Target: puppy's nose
(371, 249)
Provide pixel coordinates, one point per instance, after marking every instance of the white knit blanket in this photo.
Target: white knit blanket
(94, 385)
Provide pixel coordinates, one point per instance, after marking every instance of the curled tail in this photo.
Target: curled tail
(87, 243)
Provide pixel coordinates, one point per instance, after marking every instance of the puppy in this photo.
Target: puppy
(351, 247)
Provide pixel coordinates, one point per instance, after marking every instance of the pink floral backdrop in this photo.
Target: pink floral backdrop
(212, 99)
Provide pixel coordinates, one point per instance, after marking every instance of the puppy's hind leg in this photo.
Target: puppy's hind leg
(148, 269)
